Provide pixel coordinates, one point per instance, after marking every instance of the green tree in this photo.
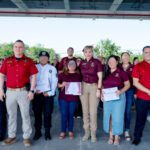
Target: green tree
(6, 50)
(106, 48)
(32, 52)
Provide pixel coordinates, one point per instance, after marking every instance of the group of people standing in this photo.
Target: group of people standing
(80, 82)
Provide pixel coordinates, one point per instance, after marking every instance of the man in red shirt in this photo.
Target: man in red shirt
(63, 63)
(19, 71)
(141, 80)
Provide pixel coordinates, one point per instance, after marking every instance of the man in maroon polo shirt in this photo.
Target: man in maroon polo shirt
(63, 63)
(141, 80)
(19, 71)
(91, 71)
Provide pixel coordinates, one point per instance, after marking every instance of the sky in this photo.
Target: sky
(61, 33)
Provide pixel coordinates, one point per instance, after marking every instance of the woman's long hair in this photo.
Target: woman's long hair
(107, 68)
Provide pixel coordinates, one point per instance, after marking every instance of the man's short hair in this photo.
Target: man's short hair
(20, 41)
(145, 48)
(70, 48)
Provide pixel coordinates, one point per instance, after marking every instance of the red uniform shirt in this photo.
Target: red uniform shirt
(70, 77)
(89, 70)
(115, 79)
(142, 72)
(63, 63)
(18, 72)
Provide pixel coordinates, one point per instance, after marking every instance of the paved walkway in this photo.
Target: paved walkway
(77, 144)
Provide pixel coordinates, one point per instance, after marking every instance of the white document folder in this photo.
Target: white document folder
(73, 88)
(109, 94)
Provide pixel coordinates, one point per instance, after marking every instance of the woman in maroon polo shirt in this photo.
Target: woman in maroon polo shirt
(91, 70)
(128, 68)
(68, 101)
(114, 102)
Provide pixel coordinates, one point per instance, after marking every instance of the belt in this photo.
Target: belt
(89, 83)
(17, 89)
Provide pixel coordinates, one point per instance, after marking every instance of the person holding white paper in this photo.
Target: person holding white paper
(113, 116)
(44, 95)
(67, 99)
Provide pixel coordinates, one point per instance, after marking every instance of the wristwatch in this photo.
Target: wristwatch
(32, 91)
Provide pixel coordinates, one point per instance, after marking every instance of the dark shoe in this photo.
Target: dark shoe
(136, 141)
(9, 141)
(37, 135)
(1, 138)
(48, 136)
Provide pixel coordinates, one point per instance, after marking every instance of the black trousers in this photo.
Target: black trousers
(78, 112)
(42, 106)
(142, 108)
(3, 119)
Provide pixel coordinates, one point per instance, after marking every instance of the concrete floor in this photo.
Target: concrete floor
(77, 144)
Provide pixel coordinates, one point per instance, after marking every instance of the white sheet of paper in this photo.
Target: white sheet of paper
(109, 94)
(73, 88)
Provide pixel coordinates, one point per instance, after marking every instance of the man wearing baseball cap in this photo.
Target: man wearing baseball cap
(44, 95)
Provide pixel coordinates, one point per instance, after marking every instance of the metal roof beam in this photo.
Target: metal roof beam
(67, 5)
(115, 5)
(20, 4)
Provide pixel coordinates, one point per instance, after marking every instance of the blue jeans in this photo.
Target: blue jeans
(114, 109)
(129, 101)
(67, 110)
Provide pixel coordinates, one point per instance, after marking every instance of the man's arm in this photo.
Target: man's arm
(32, 87)
(139, 86)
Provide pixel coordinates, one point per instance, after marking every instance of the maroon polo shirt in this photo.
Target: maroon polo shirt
(18, 72)
(141, 71)
(129, 73)
(70, 77)
(89, 70)
(63, 63)
(115, 79)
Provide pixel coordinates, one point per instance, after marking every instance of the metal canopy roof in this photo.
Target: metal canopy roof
(134, 9)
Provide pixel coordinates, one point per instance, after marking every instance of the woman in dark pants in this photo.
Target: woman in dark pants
(68, 102)
(128, 68)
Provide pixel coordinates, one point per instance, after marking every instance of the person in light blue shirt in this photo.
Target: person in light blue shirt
(44, 95)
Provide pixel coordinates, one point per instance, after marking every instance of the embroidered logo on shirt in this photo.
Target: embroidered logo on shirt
(43, 53)
(92, 64)
(117, 75)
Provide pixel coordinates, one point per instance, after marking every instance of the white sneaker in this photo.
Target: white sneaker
(148, 118)
(127, 136)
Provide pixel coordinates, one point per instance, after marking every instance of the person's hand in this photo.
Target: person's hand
(45, 94)
(135, 96)
(148, 92)
(63, 84)
(2, 95)
(30, 96)
(98, 93)
(118, 92)
(38, 91)
(102, 97)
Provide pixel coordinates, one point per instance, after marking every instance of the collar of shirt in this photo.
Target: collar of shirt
(146, 63)
(89, 60)
(22, 58)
